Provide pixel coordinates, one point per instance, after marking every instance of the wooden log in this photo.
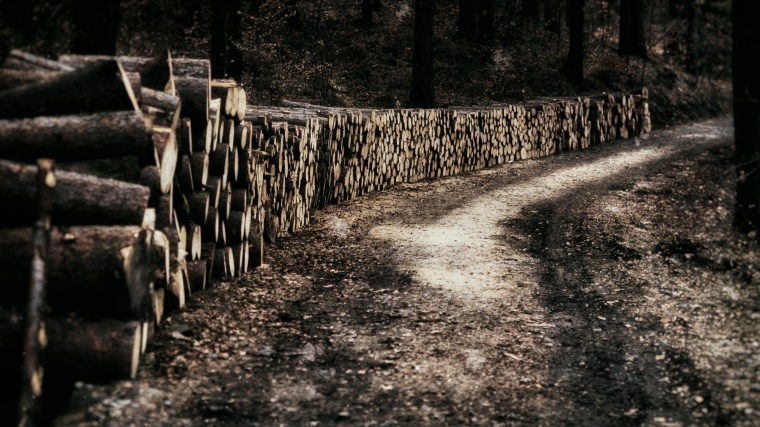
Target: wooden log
(156, 73)
(210, 232)
(80, 137)
(101, 87)
(93, 351)
(164, 109)
(79, 199)
(185, 137)
(165, 144)
(199, 206)
(93, 269)
(25, 61)
(198, 273)
(255, 245)
(194, 93)
(185, 175)
(219, 160)
(10, 79)
(235, 227)
(35, 340)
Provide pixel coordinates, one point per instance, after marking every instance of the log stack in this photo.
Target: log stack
(121, 254)
(204, 180)
(320, 155)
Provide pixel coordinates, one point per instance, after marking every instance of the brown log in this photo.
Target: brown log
(199, 206)
(94, 269)
(194, 93)
(194, 241)
(99, 351)
(185, 175)
(35, 341)
(185, 137)
(101, 87)
(25, 61)
(80, 137)
(198, 273)
(164, 109)
(165, 144)
(79, 199)
(157, 73)
(255, 245)
(235, 227)
(219, 160)
(214, 188)
(211, 226)
(225, 204)
(10, 79)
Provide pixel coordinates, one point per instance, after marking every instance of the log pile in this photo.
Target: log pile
(319, 155)
(211, 179)
(121, 255)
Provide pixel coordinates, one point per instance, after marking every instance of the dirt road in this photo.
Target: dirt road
(602, 287)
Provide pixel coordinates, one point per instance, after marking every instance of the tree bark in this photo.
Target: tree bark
(423, 89)
(78, 200)
(485, 22)
(35, 335)
(467, 22)
(632, 39)
(93, 269)
(573, 67)
(95, 88)
(746, 88)
(69, 138)
(226, 36)
(96, 26)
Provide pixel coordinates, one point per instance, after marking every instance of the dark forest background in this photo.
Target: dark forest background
(359, 53)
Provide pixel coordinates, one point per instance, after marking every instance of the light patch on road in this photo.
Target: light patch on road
(464, 251)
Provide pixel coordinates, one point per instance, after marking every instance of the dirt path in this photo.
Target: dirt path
(595, 288)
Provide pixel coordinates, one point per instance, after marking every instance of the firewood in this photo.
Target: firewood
(78, 200)
(96, 88)
(93, 269)
(79, 137)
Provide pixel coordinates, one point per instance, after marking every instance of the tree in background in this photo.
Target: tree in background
(485, 22)
(423, 92)
(573, 67)
(96, 26)
(368, 6)
(632, 39)
(226, 36)
(467, 23)
(746, 87)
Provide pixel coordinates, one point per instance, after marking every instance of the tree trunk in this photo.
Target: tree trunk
(693, 36)
(632, 39)
(423, 90)
(467, 24)
(226, 36)
(573, 67)
(95, 88)
(746, 87)
(366, 17)
(71, 138)
(96, 26)
(95, 269)
(79, 199)
(485, 22)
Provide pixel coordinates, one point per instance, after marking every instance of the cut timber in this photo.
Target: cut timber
(98, 351)
(78, 200)
(79, 137)
(10, 79)
(236, 227)
(101, 87)
(194, 93)
(156, 73)
(255, 245)
(197, 271)
(199, 169)
(165, 144)
(30, 62)
(35, 338)
(162, 107)
(199, 206)
(93, 269)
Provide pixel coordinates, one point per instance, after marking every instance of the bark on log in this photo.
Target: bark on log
(194, 93)
(93, 269)
(79, 199)
(10, 79)
(101, 87)
(80, 137)
(35, 340)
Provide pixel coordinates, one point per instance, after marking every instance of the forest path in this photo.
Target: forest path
(544, 292)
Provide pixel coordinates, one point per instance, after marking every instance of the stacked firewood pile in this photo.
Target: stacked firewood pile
(158, 188)
(164, 179)
(321, 155)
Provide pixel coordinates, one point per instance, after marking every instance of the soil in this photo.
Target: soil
(603, 287)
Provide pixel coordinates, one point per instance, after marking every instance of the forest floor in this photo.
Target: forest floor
(602, 287)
